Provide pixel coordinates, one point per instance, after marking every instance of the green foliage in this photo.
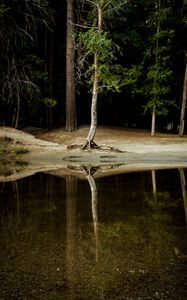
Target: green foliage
(109, 74)
(37, 65)
(159, 73)
(49, 102)
(3, 9)
(132, 77)
(21, 150)
(92, 41)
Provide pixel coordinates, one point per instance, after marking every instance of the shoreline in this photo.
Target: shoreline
(141, 153)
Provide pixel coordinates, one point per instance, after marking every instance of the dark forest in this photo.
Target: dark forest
(48, 52)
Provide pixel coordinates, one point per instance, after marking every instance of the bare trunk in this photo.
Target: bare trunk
(93, 126)
(18, 107)
(183, 106)
(71, 118)
(49, 52)
(153, 123)
(50, 109)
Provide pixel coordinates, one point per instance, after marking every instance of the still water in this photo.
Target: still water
(117, 237)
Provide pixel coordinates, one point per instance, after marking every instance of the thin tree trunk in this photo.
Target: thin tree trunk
(18, 107)
(71, 118)
(183, 106)
(93, 126)
(51, 53)
(153, 123)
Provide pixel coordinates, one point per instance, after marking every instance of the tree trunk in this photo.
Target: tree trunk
(71, 117)
(183, 106)
(93, 126)
(18, 106)
(153, 123)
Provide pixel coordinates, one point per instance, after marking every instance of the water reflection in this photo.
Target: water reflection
(99, 238)
(93, 187)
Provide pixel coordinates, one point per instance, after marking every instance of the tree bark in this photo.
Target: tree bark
(93, 126)
(71, 117)
(153, 123)
(183, 105)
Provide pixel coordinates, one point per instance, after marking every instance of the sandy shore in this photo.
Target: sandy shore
(48, 151)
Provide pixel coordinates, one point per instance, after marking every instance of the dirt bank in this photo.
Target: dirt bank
(48, 150)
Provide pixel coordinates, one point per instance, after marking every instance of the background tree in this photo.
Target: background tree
(159, 72)
(184, 95)
(21, 73)
(183, 105)
(71, 116)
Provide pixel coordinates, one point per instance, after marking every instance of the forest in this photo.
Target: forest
(100, 62)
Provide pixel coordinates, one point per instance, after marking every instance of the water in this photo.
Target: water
(117, 237)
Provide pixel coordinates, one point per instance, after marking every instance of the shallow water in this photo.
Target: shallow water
(117, 237)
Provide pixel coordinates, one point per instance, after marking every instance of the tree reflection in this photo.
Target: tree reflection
(71, 195)
(183, 188)
(93, 187)
(16, 193)
(153, 173)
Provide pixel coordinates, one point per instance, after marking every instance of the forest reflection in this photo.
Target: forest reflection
(98, 238)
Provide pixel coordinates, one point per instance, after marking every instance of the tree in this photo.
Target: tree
(184, 96)
(97, 44)
(183, 106)
(93, 126)
(18, 35)
(71, 119)
(159, 72)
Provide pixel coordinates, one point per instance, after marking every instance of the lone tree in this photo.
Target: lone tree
(99, 54)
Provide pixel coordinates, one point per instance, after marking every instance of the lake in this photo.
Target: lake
(116, 237)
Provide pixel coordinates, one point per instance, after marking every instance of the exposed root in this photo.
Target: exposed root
(92, 145)
(72, 147)
(110, 149)
(89, 146)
